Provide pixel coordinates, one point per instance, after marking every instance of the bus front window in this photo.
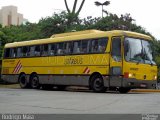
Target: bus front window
(133, 50)
(148, 54)
(138, 50)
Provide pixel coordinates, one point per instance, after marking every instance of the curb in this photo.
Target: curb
(145, 90)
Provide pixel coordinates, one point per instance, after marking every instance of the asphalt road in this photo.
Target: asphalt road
(77, 102)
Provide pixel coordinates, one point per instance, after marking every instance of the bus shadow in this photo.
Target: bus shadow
(87, 90)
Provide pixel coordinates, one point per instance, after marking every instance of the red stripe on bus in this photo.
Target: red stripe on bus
(16, 66)
(85, 70)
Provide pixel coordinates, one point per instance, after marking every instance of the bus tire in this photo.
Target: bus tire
(97, 84)
(23, 81)
(35, 82)
(124, 90)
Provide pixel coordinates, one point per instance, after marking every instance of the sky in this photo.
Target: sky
(145, 12)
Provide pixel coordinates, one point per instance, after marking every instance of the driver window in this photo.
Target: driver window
(116, 49)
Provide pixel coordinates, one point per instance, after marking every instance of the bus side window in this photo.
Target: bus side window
(44, 50)
(94, 46)
(31, 50)
(52, 49)
(116, 49)
(102, 44)
(25, 50)
(70, 47)
(77, 47)
(84, 46)
(59, 50)
(7, 53)
(65, 47)
(37, 50)
(13, 52)
(19, 52)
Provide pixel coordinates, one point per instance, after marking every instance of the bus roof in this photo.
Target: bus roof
(80, 35)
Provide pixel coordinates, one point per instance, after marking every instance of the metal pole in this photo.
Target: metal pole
(102, 11)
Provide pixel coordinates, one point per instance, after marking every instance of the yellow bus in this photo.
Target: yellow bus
(101, 60)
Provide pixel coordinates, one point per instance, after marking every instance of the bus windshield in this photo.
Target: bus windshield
(138, 50)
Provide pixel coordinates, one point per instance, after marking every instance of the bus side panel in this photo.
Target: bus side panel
(67, 70)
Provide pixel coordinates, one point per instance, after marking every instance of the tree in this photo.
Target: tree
(72, 13)
(106, 3)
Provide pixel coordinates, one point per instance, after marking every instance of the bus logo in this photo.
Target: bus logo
(18, 67)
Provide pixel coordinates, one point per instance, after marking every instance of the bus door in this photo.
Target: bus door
(116, 62)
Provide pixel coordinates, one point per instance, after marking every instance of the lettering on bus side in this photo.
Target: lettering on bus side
(73, 60)
(9, 61)
(135, 69)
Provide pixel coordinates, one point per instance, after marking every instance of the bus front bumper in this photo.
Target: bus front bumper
(134, 83)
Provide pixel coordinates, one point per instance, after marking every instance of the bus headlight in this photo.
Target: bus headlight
(130, 75)
(155, 77)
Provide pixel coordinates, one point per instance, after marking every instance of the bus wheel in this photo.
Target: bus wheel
(124, 90)
(23, 81)
(97, 84)
(35, 81)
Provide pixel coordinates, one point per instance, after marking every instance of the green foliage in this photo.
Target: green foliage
(59, 23)
(52, 25)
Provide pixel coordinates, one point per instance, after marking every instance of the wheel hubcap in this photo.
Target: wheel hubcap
(98, 83)
(35, 82)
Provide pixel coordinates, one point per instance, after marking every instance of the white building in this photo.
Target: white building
(10, 16)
